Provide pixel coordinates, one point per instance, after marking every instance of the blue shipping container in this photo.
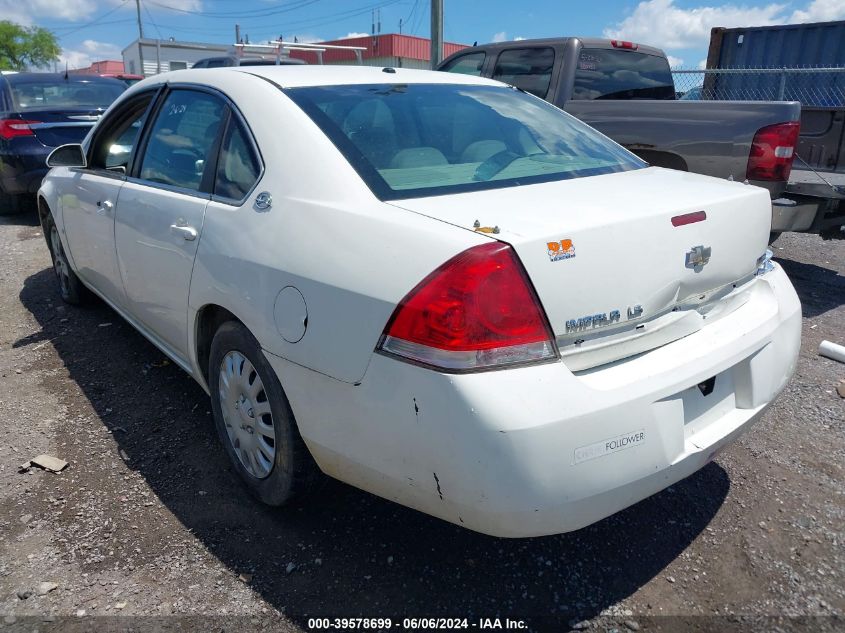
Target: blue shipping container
(817, 45)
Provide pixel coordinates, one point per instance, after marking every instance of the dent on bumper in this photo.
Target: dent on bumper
(539, 450)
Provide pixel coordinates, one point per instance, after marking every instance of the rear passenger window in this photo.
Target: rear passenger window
(466, 64)
(238, 167)
(529, 69)
(182, 139)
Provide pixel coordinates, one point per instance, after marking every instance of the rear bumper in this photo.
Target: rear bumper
(814, 202)
(807, 214)
(539, 450)
(792, 215)
(23, 165)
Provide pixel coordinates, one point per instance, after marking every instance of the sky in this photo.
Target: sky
(93, 30)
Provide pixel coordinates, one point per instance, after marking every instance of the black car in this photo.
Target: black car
(232, 60)
(39, 112)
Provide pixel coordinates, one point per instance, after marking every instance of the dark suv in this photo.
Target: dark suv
(232, 60)
(39, 112)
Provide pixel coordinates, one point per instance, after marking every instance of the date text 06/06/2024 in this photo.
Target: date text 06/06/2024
(413, 624)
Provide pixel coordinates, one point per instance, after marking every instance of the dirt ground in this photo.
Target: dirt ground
(148, 520)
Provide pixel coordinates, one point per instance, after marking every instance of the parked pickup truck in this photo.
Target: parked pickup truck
(816, 185)
(595, 80)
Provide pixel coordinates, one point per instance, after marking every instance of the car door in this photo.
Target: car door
(162, 206)
(88, 212)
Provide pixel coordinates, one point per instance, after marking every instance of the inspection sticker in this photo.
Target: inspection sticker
(608, 446)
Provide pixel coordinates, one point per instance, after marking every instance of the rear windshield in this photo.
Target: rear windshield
(58, 94)
(612, 74)
(416, 140)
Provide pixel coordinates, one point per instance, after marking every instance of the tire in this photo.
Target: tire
(773, 237)
(71, 288)
(11, 204)
(254, 420)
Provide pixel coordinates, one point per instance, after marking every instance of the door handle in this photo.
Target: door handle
(188, 233)
(104, 207)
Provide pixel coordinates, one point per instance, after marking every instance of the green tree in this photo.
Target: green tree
(26, 46)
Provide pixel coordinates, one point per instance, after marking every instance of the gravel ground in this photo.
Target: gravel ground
(148, 520)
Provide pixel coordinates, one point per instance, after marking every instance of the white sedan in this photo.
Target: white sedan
(434, 287)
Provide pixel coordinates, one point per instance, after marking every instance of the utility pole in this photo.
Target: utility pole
(140, 37)
(436, 32)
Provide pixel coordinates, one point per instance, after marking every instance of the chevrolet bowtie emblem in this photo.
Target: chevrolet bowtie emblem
(698, 256)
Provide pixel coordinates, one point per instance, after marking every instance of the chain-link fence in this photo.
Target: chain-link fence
(818, 87)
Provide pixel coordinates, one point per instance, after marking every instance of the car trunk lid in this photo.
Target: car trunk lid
(54, 128)
(625, 262)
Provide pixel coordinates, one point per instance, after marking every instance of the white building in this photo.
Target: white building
(161, 56)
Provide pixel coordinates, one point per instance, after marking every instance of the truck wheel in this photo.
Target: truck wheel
(71, 288)
(254, 420)
(773, 237)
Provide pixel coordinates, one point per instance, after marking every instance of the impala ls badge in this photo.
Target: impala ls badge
(698, 256)
(592, 321)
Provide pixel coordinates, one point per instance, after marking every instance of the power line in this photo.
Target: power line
(259, 28)
(95, 20)
(409, 19)
(79, 28)
(262, 27)
(418, 21)
(150, 15)
(228, 15)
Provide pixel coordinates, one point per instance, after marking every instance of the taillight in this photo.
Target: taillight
(476, 311)
(10, 128)
(772, 152)
(624, 44)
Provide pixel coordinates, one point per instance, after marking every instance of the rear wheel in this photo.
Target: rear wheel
(254, 420)
(70, 287)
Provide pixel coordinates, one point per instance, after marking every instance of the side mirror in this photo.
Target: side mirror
(70, 155)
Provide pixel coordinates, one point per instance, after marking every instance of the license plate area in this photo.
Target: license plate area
(707, 402)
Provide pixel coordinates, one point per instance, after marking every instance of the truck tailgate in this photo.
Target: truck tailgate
(706, 137)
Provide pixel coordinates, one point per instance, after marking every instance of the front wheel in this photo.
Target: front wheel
(254, 420)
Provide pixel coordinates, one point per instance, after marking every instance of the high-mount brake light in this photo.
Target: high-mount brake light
(477, 311)
(624, 44)
(10, 128)
(772, 152)
(689, 218)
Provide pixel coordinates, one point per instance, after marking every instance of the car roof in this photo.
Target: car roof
(294, 76)
(586, 42)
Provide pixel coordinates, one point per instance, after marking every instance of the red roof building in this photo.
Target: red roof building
(389, 49)
(108, 67)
